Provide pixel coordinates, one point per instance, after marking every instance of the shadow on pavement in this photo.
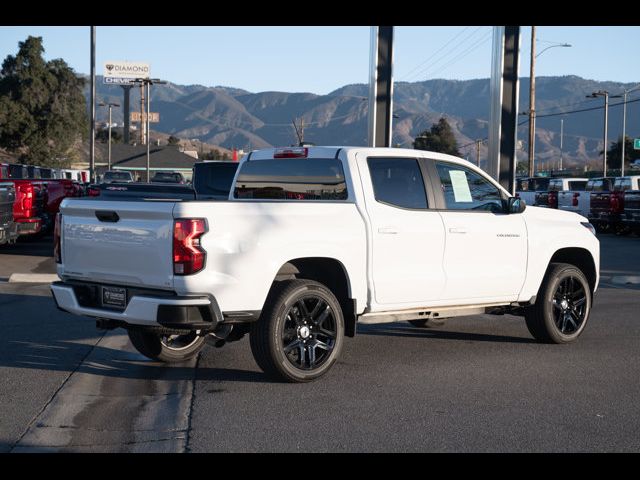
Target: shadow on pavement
(399, 330)
(58, 342)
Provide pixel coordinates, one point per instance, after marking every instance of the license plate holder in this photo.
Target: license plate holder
(114, 297)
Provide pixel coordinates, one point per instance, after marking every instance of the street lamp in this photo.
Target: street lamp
(624, 123)
(605, 94)
(532, 97)
(110, 105)
(148, 82)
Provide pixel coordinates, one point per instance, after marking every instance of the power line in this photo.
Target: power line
(436, 52)
(446, 55)
(464, 53)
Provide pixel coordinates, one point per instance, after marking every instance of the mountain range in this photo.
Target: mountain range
(236, 118)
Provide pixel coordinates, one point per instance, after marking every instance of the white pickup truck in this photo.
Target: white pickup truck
(314, 240)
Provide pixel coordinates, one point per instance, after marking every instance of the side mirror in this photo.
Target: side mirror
(515, 205)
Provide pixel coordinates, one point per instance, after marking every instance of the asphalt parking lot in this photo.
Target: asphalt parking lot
(475, 384)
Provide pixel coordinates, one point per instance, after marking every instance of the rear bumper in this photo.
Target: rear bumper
(28, 226)
(143, 310)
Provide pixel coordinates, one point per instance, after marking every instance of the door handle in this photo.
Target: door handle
(457, 230)
(388, 230)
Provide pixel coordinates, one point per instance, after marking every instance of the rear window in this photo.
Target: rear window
(18, 171)
(117, 176)
(555, 185)
(577, 185)
(539, 184)
(292, 179)
(595, 185)
(213, 178)
(167, 177)
(522, 184)
(622, 184)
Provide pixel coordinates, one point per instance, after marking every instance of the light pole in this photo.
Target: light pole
(110, 105)
(624, 124)
(532, 97)
(148, 82)
(561, 138)
(605, 94)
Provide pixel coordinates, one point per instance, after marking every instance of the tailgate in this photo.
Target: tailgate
(7, 199)
(127, 243)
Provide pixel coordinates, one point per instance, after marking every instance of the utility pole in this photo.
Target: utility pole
(148, 136)
(142, 124)
(605, 94)
(624, 131)
(127, 95)
(92, 138)
(561, 137)
(478, 142)
(532, 104)
(110, 105)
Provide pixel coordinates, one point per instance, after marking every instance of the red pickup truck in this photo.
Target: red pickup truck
(47, 193)
(30, 201)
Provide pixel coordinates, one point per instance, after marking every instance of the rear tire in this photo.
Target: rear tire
(562, 307)
(300, 332)
(166, 348)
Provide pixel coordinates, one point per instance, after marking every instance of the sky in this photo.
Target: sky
(322, 59)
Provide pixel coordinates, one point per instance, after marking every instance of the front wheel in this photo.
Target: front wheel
(562, 306)
(300, 333)
(165, 347)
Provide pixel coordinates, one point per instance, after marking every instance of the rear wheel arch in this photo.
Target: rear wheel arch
(329, 272)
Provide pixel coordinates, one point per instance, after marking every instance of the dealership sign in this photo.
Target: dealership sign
(124, 73)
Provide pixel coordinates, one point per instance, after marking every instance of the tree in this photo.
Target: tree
(615, 152)
(210, 155)
(439, 139)
(102, 135)
(173, 140)
(42, 109)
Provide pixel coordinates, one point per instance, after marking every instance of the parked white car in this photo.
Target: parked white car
(313, 241)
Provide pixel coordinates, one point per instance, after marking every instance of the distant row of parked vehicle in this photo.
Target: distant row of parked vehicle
(612, 204)
(30, 198)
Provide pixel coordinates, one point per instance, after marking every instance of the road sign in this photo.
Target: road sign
(124, 73)
(154, 117)
(636, 143)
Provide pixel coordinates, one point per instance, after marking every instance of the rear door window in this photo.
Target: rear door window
(292, 179)
(398, 182)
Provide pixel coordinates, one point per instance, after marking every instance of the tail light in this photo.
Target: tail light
(553, 199)
(93, 192)
(27, 198)
(574, 202)
(294, 152)
(57, 252)
(615, 202)
(188, 255)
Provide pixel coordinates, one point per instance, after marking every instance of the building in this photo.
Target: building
(133, 158)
